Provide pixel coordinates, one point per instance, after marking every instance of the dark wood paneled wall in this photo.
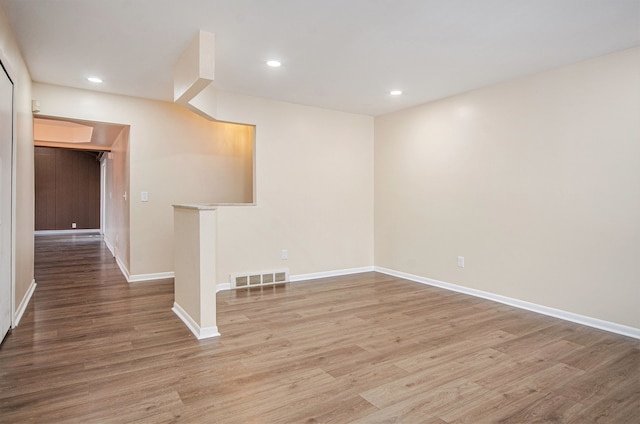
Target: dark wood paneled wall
(67, 186)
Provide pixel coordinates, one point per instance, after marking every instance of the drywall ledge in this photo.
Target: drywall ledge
(193, 73)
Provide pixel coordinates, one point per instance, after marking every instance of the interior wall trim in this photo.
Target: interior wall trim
(138, 278)
(123, 268)
(135, 278)
(200, 333)
(301, 278)
(22, 307)
(223, 287)
(109, 246)
(66, 232)
(326, 274)
(521, 304)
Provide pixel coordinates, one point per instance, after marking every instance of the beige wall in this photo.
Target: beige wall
(173, 154)
(116, 231)
(195, 274)
(314, 179)
(24, 173)
(536, 182)
(314, 190)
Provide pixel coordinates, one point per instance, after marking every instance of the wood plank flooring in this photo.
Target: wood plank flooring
(366, 348)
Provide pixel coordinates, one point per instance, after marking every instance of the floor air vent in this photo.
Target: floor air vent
(257, 279)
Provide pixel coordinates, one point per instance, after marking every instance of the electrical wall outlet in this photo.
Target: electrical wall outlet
(461, 261)
(73, 225)
(284, 254)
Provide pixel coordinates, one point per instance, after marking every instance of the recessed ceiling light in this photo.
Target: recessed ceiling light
(95, 79)
(274, 63)
(395, 92)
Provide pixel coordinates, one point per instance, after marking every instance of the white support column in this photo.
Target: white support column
(195, 268)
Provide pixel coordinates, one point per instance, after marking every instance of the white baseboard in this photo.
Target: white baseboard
(545, 310)
(17, 316)
(326, 274)
(123, 268)
(200, 333)
(223, 287)
(308, 277)
(65, 232)
(137, 278)
(109, 246)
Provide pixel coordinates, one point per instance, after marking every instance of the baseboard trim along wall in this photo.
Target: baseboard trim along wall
(200, 333)
(223, 287)
(521, 304)
(135, 278)
(123, 268)
(227, 286)
(556, 313)
(109, 246)
(138, 278)
(17, 316)
(301, 278)
(65, 232)
(336, 273)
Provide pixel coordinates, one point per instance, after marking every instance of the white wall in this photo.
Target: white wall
(314, 178)
(116, 231)
(171, 153)
(314, 173)
(536, 182)
(24, 172)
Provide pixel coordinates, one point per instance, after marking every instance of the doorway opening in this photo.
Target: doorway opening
(67, 189)
(79, 165)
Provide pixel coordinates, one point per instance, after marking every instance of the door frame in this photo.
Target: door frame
(103, 191)
(14, 125)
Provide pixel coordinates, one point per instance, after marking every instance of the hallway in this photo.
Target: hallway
(365, 348)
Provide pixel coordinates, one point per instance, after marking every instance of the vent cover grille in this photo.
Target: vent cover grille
(257, 279)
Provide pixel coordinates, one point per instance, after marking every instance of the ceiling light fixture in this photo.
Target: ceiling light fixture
(274, 63)
(395, 92)
(95, 79)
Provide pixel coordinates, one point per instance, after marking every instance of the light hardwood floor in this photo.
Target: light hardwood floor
(366, 348)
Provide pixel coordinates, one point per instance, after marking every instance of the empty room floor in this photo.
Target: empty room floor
(365, 348)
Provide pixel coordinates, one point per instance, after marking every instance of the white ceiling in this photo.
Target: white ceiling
(337, 54)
